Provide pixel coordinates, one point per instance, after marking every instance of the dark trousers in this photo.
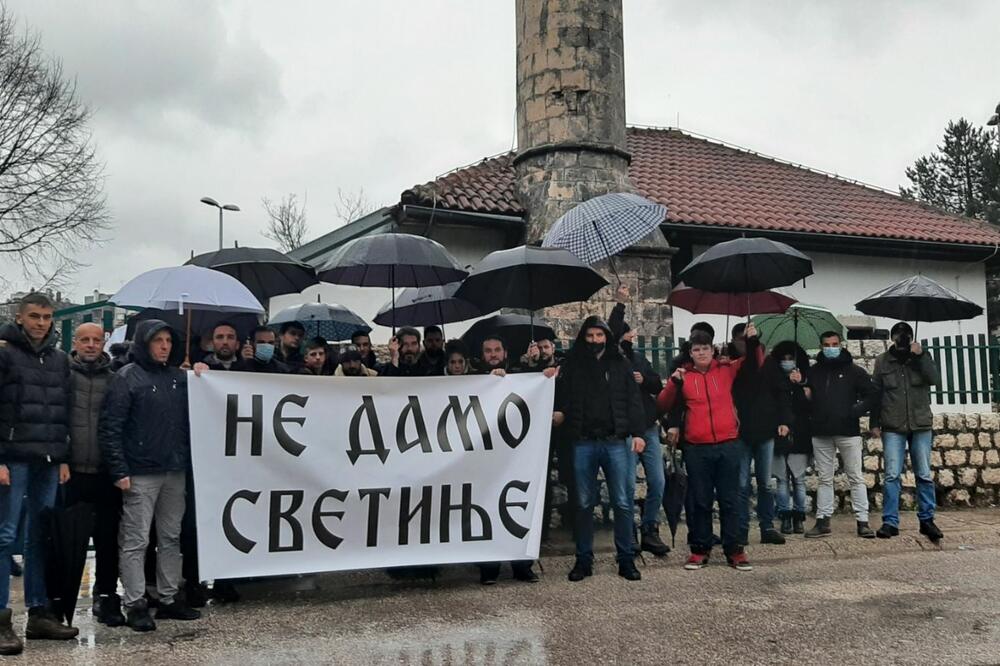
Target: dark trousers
(100, 491)
(713, 472)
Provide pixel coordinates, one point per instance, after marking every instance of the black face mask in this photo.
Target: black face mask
(627, 348)
(904, 341)
(595, 348)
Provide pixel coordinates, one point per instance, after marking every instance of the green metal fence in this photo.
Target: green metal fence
(970, 369)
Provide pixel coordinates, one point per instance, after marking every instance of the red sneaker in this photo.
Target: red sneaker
(696, 561)
(740, 562)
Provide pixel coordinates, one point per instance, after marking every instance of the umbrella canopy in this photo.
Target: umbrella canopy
(66, 528)
(529, 277)
(698, 301)
(675, 493)
(425, 306)
(202, 321)
(746, 264)
(264, 271)
(186, 288)
(601, 227)
(801, 323)
(331, 321)
(919, 299)
(516, 331)
(391, 260)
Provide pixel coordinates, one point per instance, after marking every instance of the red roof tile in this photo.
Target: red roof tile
(702, 182)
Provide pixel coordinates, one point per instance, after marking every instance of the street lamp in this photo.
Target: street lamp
(212, 202)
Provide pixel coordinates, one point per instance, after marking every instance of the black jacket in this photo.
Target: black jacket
(240, 364)
(144, 422)
(842, 392)
(800, 439)
(652, 383)
(576, 388)
(402, 370)
(34, 398)
(88, 385)
(761, 399)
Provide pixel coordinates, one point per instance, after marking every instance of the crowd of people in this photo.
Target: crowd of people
(113, 431)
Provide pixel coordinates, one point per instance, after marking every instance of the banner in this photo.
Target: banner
(298, 474)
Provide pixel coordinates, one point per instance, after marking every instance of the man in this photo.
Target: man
(352, 365)
(597, 400)
(226, 348)
(314, 359)
(404, 355)
(700, 394)
(289, 351)
(433, 357)
(903, 379)
(842, 392)
(34, 418)
(260, 355)
(90, 483)
(684, 356)
(363, 342)
(541, 354)
(146, 444)
(494, 356)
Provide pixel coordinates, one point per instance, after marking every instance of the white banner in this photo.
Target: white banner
(298, 474)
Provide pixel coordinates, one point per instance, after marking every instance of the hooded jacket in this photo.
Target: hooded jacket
(34, 398)
(585, 381)
(88, 385)
(903, 384)
(800, 438)
(144, 425)
(842, 392)
(652, 383)
(762, 401)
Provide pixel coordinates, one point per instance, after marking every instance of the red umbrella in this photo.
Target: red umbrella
(743, 304)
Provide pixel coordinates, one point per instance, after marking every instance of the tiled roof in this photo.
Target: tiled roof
(702, 182)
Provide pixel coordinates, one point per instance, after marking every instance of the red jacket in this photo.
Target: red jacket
(710, 416)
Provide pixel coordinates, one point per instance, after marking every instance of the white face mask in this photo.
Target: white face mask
(787, 366)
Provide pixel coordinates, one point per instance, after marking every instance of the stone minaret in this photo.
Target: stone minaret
(571, 142)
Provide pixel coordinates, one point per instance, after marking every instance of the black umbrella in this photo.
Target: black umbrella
(515, 329)
(67, 527)
(746, 265)
(674, 494)
(424, 306)
(919, 299)
(391, 260)
(202, 321)
(531, 278)
(331, 321)
(264, 271)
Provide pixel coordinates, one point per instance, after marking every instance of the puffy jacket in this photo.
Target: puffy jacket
(903, 385)
(34, 398)
(842, 392)
(88, 385)
(707, 400)
(144, 421)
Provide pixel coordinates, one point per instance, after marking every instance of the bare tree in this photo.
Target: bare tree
(52, 203)
(352, 205)
(286, 222)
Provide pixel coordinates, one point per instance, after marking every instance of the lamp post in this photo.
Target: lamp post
(212, 202)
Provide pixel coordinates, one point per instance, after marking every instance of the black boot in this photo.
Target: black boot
(225, 592)
(44, 625)
(820, 529)
(628, 570)
(887, 531)
(195, 594)
(864, 531)
(523, 572)
(798, 522)
(772, 536)
(581, 569)
(651, 542)
(176, 610)
(109, 610)
(10, 643)
(138, 618)
(786, 522)
(930, 530)
(489, 573)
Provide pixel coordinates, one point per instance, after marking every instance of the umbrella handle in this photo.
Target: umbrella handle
(187, 341)
(611, 259)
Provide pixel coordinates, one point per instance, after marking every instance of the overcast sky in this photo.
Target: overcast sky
(239, 100)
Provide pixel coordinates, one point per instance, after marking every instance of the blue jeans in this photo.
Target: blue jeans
(713, 471)
(894, 447)
(790, 470)
(656, 480)
(761, 453)
(613, 456)
(33, 486)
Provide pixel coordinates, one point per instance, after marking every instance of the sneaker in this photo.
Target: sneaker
(138, 618)
(628, 570)
(864, 531)
(651, 542)
(44, 625)
(887, 531)
(820, 529)
(930, 530)
(176, 611)
(696, 561)
(739, 561)
(581, 570)
(771, 536)
(109, 610)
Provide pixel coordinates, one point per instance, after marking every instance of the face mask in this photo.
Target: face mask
(831, 352)
(263, 351)
(595, 348)
(904, 341)
(788, 366)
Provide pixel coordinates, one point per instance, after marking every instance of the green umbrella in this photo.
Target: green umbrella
(801, 323)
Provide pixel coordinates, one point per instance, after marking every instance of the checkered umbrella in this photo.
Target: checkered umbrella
(601, 227)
